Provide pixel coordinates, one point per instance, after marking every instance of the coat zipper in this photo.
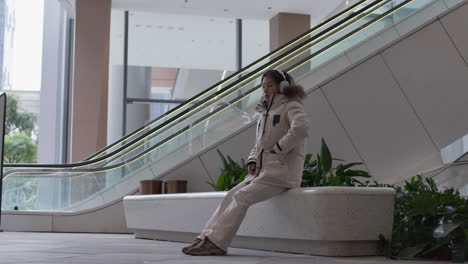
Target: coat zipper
(263, 132)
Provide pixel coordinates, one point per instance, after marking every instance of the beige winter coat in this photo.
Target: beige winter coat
(279, 148)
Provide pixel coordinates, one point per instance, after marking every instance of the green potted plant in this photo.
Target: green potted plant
(428, 223)
(317, 172)
(320, 171)
(232, 174)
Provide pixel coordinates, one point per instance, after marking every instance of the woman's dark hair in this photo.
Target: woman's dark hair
(291, 90)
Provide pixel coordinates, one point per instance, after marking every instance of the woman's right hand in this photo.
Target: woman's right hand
(251, 168)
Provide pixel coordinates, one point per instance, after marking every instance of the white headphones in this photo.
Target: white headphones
(284, 83)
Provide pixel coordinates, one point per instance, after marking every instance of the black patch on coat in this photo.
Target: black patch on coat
(276, 119)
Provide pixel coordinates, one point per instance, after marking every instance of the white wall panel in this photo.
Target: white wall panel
(110, 219)
(324, 124)
(422, 16)
(372, 45)
(325, 72)
(194, 173)
(451, 3)
(379, 120)
(434, 77)
(237, 147)
(455, 24)
(453, 177)
(25, 222)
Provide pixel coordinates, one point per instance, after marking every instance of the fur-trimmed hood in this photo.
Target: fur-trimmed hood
(279, 99)
(294, 91)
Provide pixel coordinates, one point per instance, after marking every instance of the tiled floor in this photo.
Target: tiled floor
(116, 249)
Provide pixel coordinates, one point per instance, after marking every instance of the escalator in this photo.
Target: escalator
(201, 123)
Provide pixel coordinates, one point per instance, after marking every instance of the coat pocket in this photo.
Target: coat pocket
(279, 158)
(275, 166)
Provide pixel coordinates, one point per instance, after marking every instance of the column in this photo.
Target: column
(90, 80)
(286, 26)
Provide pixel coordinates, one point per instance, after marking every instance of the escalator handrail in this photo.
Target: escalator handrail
(187, 102)
(233, 101)
(92, 161)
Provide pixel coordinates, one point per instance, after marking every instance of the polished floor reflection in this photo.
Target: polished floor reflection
(116, 249)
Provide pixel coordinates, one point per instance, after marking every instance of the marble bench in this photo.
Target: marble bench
(330, 221)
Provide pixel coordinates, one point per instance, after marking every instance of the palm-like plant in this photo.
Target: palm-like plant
(427, 219)
(319, 171)
(232, 174)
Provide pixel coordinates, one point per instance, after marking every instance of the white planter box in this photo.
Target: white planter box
(331, 221)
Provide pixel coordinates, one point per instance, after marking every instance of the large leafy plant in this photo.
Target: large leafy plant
(427, 219)
(232, 174)
(320, 171)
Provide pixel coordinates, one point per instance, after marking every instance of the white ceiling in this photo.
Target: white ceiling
(183, 41)
(246, 9)
(200, 34)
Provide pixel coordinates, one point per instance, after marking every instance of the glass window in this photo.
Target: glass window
(21, 28)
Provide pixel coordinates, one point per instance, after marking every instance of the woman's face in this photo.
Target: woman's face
(269, 87)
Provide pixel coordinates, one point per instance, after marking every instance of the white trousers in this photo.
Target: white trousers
(225, 221)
